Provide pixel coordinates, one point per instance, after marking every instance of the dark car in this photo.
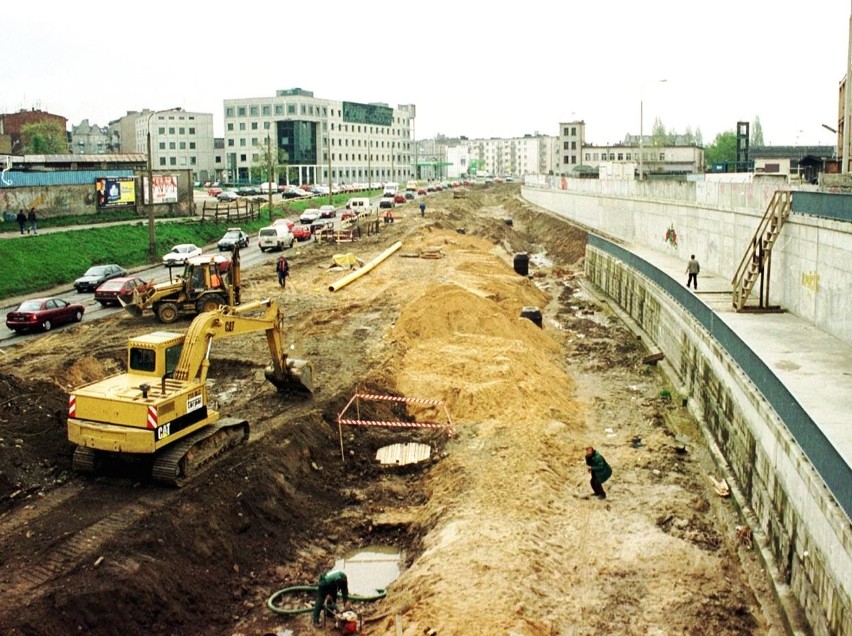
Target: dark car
(234, 236)
(108, 292)
(43, 313)
(96, 275)
(409, 195)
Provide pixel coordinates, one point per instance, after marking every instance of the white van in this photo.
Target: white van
(275, 237)
(390, 190)
(266, 188)
(357, 207)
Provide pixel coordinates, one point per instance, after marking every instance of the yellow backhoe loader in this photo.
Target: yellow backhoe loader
(206, 283)
(159, 409)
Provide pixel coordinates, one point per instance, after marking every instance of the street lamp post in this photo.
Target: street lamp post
(152, 241)
(642, 122)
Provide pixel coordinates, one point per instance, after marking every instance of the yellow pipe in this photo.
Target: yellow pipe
(360, 272)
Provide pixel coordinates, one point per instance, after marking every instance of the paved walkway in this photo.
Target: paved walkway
(814, 366)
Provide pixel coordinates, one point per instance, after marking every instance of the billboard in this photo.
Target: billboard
(375, 114)
(164, 188)
(114, 192)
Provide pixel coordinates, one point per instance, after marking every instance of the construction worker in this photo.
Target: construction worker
(599, 470)
(329, 584)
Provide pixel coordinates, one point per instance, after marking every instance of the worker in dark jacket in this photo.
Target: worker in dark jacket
(328, 586)
(599, 470)
(22, 220)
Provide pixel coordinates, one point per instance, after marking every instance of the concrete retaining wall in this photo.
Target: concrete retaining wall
(811, 267)
(801, 530)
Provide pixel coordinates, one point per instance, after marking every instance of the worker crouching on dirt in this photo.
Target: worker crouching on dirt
(599, 470)
(329, 584)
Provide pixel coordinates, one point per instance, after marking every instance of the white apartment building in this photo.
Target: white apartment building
(516, 156)
(319, 140)
(179, 139)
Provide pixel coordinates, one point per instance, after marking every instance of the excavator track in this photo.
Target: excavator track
(83, 460)
(178, 463)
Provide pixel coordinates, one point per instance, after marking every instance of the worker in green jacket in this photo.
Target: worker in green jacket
(328, 586)
(599, 470)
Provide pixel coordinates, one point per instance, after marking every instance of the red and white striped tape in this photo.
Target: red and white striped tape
(395, 423)
(394, 398)
(72, 406)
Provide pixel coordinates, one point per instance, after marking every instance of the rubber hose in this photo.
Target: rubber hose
(313, 588)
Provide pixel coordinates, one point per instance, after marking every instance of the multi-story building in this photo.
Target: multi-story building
(678, 156)
(319, 140)
(122, 132)
(90, 139)
(179, 139)
(517, 156)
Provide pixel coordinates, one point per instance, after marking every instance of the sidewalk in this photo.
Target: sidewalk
(814, 366)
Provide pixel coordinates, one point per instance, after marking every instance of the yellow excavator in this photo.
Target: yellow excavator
(159, 408)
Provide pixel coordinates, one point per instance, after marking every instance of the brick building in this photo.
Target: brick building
(11, 125)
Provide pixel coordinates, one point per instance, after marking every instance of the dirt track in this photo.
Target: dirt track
(498, 532)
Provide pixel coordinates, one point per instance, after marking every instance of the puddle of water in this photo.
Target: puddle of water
(371, 569)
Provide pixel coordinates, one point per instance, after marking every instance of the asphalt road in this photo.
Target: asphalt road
(249, 257)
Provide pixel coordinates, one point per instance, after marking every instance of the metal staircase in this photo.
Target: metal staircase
(756, 264)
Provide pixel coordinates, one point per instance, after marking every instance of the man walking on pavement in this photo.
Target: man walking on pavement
(692, 268)
(31, 218)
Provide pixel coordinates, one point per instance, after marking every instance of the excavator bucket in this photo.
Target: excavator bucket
(132, 304)
(299, 377)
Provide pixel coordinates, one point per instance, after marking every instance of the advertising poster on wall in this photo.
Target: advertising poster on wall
(164, 188)
(113, 192)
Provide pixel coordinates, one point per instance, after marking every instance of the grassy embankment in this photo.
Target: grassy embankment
(34, 263)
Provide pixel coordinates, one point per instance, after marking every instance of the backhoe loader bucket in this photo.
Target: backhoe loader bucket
(299, 377)
(132, 304)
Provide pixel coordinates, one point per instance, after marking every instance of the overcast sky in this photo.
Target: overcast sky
(472, 68)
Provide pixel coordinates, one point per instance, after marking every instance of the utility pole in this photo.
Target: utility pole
(330, 193)
(270, 179)
(847, 103)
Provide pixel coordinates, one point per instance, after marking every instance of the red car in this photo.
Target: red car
(108, 292)
(422, 192)
(214, 192)
(44, 314)
(399, 199)
(302, 232)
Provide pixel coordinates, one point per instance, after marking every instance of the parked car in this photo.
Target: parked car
(227, 195)
(422, 192)
(234, 236)
(327, 211)
(387, 202)
(309, 216)
(301, 232)
(214, 192)
(44, 314)
(96, 275)
(179, 254)
(409, 195)
(109, 292)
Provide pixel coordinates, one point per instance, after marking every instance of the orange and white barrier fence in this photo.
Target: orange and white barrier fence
(372, 397)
